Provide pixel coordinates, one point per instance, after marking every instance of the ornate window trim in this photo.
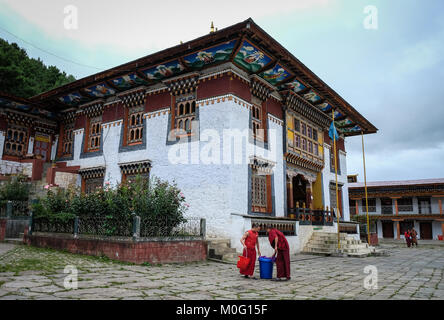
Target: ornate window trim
(92, 144)
(16, 140)
(142, 168)
(183, 119)
(92, 178)
(261, 186)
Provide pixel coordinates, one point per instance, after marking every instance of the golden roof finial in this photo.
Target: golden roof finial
(212, 27)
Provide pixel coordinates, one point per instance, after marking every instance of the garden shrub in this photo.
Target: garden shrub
(159, 204)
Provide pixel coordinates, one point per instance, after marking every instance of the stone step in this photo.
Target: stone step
(318, 241)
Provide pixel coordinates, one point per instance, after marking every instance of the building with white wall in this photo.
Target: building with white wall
(233, 118)
(401, 205)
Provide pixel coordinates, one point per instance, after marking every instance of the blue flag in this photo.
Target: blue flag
(332, 132)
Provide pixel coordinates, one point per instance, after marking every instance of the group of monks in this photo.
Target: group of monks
(281, 252)
(411, 237)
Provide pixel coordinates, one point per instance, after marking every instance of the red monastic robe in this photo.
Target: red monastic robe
(283, 253)
(250, 252)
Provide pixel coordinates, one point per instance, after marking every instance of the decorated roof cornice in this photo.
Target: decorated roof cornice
(259, 88)
(244, 44)
(183, 85)
(90, 173)
(262, 165)
(135, 167)
(92, 109)
(303, 162)
(68, 117)
(301, 106)
(134, 97)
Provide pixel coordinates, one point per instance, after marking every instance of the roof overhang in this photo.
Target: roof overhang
(244, 44)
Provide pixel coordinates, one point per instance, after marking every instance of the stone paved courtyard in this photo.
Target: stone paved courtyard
(33, 273)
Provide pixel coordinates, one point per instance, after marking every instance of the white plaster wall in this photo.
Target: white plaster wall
(213, 190)
(435, 205)
(2, 142)
(54, 147)
(31, 145)
(379, 229)
(436, 229)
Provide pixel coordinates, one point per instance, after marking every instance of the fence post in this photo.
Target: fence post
(9, 209)
(203, 228)
(30, 223)
(31, 213)
(136, 227)
(76, 227)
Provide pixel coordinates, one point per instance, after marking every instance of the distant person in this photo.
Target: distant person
(250, 242)
(414, 235)
(281, 251)
(408, 238)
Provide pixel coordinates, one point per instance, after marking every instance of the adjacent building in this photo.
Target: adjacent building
(236, 120)
(401, 205)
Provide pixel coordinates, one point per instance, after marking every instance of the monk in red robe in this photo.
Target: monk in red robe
(250, 242)
(282, 252)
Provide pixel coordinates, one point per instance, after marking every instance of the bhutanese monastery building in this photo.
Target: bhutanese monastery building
(236, 120)
(401, 205)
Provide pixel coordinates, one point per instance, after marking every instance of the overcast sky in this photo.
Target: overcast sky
(393, 75)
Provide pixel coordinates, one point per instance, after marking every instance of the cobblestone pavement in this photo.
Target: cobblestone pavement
(33, 273)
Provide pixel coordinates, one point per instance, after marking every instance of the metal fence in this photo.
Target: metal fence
(14, 208)
(105, 226)
(123, 227)
(51, 225)
(164, 227)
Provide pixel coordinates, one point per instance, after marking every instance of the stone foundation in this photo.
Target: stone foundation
(175, 251)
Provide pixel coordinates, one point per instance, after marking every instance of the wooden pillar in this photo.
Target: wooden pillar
(398, 230)
(396, 208)
(440, 206)
(357, 207)
(290, 194)
(442, 228)
(308, 200)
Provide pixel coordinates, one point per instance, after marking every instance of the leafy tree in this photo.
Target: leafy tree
(26, 77)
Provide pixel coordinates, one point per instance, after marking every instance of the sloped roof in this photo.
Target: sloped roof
(244, 44)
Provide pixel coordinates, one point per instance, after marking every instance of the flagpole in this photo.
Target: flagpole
(336, 178)
(365, 188)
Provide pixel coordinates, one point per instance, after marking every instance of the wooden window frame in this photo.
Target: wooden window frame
(67, 144)
(19, 142)
(183, 115)
(297, 144)
(134, 128)
(94, 133)
(86, 181)
(332, 159)
(259, 121)
(264, 204)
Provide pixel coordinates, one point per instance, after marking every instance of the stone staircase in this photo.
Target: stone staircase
(37, 189)
(326, 243)
(220, 249)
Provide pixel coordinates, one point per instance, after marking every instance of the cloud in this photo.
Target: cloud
(142, 25)
(420, 163)
(420, 56)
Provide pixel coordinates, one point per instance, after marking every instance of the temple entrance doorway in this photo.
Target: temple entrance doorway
(300, 190)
